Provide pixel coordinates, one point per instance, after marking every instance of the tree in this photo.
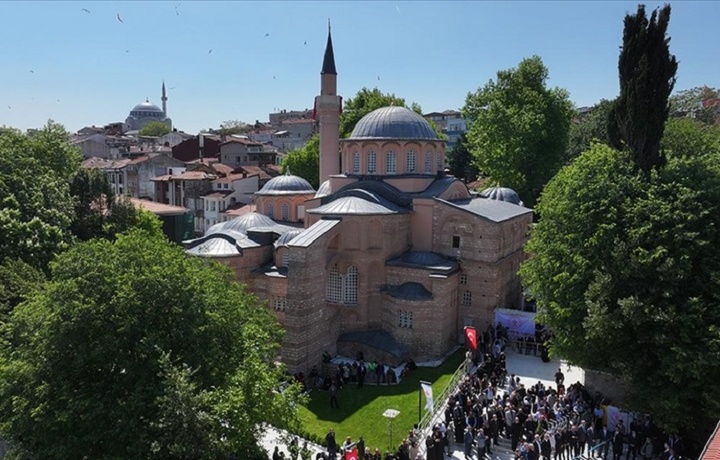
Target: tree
(154, 129)
(687, 137)
(462, 162)
(36, 208)
(647, 77)
(589, 127)
(305, 161)
(96, 362)
(17, 280)
(625, 268)
(230, 127)
(700, 103)
(518, 128)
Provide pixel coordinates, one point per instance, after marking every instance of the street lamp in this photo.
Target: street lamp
(390, 414)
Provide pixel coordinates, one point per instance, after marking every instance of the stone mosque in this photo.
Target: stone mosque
(391, 257)
(147, 112)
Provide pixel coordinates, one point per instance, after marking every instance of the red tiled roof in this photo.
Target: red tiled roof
(218, 194)
(239, 210)
(158, 208)
(237, 140)
(231, 177)
(223, 168)
(206, 161)
(100, 163)
(712, 448)
(265, 172)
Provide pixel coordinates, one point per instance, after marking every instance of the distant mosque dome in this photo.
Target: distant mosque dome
(505, 194)
(287, 184)
(393, 123)
(242, 224)
(147, 108)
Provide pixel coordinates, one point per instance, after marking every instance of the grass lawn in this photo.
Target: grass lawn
(360, 412)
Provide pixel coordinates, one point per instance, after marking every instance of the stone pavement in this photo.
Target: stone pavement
(529, 368)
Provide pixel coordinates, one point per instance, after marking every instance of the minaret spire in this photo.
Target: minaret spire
(328, 106)
(329, 59)
(164, 99)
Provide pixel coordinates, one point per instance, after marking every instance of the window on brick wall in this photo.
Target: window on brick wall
(428, 162)
(438, 162)
(333, 287)
(284, 258)
(341, 288)
(285, 212)
(463, 278)
(372, 162)
(455, 241)
(405, 319)
(466, 298)
(356, 163)
(350, 286)
(280, 303)
(270, 210)
(391, 163)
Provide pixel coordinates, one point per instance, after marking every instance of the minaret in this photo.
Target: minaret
(164, 100)
(327, 107)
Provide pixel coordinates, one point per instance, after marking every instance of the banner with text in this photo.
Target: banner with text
(427, 389)
(519, 323)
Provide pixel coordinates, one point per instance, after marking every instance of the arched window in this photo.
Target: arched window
(438, 162)
(428, 162)
(284, 258)
(410, 162)
(333, 287)
(350, 286)
(285, 212)
(270, 210)
(391, 163)
(372, 162)
(356, 163)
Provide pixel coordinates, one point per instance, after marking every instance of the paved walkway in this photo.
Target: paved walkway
(529, 368)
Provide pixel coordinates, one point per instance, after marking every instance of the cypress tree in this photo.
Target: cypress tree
(647, 77)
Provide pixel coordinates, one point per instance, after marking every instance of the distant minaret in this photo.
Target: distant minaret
(164, 100)
(328, 106)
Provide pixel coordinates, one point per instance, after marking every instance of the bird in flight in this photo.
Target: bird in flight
(305, 43)
(267, 34)
(32, 71)
(173, 87)
(209, 51)
(119, 18)
(86, 10)
(378, 77)
(9, 108)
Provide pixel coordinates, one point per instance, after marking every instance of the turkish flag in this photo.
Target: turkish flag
(352, 455)
(471, 337)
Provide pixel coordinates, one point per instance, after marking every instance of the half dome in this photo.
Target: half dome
(323, 190)
(286, 237)
(393, 123)
(287, 184)
(505, 194)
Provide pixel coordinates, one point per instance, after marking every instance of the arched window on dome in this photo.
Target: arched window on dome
(391, 163)
(428, 162)
(285, 212)
(356, 163)
(270, 210)
(410, 162)
(372, 162)
(438, 162)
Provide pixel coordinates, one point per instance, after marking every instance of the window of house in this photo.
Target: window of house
(404, 319)
(372, 162)
(285, 212)
(466, 298)
(212, 205)
(356, 163)
(463, 278)
(455, 241)
(119, 178)
(391, 163)
(225, 185)
(280, 303)
(270, 210)
(410, 162)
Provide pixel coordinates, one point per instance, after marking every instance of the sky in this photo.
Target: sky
(242, 60)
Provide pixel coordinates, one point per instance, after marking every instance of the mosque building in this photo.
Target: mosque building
(147, 112)
(390, 257)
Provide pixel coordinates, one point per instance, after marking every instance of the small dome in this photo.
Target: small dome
(287, 184)
(393, 123)
(147, 107)
(286, 237)
(505, 194)
(242, 223)
(323, 190)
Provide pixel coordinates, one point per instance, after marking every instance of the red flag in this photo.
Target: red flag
(471, 337)
(352, 455)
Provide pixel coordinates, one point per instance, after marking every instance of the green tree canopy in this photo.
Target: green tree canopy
(154, 128)
(305, 161)
(230, 127)
(647, 77)
(589, 127)
(625, 267)
(518, 128)
(462, 162)
(36, 208)
(687, 137)
(101, 362)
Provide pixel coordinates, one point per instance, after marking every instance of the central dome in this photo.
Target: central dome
(286, 184)
(147, 107)
(393, 123)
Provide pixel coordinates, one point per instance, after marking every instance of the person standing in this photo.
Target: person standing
(646, 451)
(468, 442)
(481, 440)
(361, 448)
(333, 397)
(331, 446)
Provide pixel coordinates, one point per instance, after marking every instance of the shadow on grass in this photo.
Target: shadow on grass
(361, 409)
